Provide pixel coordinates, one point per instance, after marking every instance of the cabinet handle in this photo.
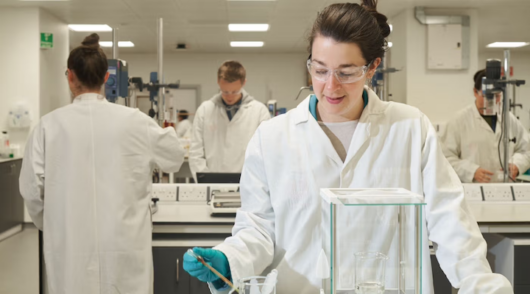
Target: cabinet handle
(12, 169)
(178, 270)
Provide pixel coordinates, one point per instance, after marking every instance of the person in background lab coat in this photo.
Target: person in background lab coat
(86, 181)
(344, 136)
(184, 126)
(223, 125)
(471, 142)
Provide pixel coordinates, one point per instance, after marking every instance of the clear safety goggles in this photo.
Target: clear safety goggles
(345, 75)
(228, 93)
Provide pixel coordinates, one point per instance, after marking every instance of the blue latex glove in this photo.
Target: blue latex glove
(214, 258)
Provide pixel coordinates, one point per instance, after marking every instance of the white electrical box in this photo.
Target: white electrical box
(445, 46)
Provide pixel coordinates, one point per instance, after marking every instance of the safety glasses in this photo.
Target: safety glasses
(345, 75)
(228, 93)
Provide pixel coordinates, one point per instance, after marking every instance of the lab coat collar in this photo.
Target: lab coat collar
(482, 122)
(375, 106)
(245, 100)
(360, 138)
(89, 97)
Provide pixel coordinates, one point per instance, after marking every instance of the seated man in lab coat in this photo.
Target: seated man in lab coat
(471, 142)
(223, 125)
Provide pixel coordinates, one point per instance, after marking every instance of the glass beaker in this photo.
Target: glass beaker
(254, 285)
(370, 272)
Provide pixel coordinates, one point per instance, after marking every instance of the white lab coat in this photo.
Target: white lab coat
(470, 143)
(218, 144)
(290, 159)
(86, 177)
(184, 129)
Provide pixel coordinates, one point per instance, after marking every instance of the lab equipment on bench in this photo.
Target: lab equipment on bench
(387, 225)
(258, 284)
(272, 106)
(225, 202)
(493, 85)
(370, 272)
(218, 178)
(118, 82)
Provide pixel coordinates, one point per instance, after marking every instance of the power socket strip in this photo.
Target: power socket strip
(521, 192)
(164, 192)
(224, 188)
(193, 193)
(497, 192)
(472, 192)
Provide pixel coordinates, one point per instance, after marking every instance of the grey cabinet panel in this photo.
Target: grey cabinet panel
(5, 196)
(518, 289)
(17, 202)
(522, 266)
(170, 277)
(198, 287)
(440, 281)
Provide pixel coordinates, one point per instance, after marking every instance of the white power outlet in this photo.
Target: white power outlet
(497, 192)
(164, 192)
(521, 192)
(193, 193)
(472, 192)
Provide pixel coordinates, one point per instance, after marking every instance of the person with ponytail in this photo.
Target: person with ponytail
(86, 179)
(344, 136)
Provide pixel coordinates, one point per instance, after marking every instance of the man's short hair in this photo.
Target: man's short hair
(232, 71)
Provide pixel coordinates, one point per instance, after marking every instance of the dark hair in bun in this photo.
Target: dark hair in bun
(354, 23)
(89, 63)
(91, 41)
(477, 78)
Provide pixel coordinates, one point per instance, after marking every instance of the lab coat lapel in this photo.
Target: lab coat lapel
(364, 130)
(318, 142)
(481, 121)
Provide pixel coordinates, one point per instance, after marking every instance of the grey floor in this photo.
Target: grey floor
(19, 263)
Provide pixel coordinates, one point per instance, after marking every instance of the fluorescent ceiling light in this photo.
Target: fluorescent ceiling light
(249, 27)
(246, 44)
(508, 44)
(120, 44)
(390, 44)
(90, 28)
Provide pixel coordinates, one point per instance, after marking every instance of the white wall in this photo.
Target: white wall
(437, 93)
(54, 91)
(19, 60)
(269, 76)
(520, 61)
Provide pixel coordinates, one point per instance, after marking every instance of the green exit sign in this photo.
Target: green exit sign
(46, 40)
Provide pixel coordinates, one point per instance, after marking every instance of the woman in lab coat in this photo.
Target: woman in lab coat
(471, 142)
(86, 181)
(344, 136)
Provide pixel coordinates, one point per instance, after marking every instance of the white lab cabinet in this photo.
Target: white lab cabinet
(445, 43)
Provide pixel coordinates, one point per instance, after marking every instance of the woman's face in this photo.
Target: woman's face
(339, 101)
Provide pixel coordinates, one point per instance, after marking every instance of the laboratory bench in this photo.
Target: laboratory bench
(179, 226)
